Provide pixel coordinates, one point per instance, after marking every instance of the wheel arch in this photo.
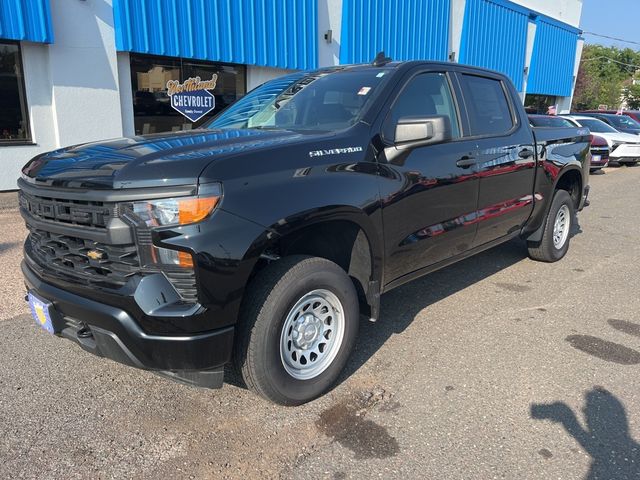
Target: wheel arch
(343, 234)
(569, 179)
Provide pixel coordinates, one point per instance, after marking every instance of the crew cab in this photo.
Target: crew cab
(260, 239)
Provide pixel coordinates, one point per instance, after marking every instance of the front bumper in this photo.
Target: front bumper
(111, 332)
(626, 152)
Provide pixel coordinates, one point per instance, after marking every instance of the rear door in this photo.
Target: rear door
(506, 159)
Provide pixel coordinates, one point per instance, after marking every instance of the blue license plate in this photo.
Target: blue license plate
(41, 312)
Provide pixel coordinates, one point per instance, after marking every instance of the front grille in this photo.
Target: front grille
(603, 151)
(75, 257)
(111, 266)
(72, 258)
(70, 212)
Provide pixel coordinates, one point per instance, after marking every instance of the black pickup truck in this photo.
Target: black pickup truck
(259, 240)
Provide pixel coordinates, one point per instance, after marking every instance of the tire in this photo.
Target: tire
(290, 293)
(548, 250)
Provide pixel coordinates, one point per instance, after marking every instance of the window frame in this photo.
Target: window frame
(22, 91)
(517, 124)
(454, 97)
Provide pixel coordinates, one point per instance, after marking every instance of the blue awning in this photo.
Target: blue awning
(28, 20)
(494, 36)
(280, 33)
(406, 30)
(553, 59)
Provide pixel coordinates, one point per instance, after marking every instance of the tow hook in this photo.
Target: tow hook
(84, 332)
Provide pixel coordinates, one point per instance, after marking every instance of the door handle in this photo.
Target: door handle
(526, 153)
(466, 161)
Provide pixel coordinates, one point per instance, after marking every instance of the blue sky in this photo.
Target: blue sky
(615, 18)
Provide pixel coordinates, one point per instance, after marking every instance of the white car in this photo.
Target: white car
(625, 147)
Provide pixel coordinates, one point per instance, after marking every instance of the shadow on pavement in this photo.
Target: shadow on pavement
(400, 306)
(606, 439)
(4, 246)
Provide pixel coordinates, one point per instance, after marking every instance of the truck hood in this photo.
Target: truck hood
(175, 158)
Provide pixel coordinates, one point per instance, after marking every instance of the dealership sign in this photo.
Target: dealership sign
(192, 97)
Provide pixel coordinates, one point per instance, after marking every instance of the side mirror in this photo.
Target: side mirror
(419, 131)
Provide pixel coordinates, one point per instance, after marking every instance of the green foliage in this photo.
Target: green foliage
(603, 76)
(631, 94)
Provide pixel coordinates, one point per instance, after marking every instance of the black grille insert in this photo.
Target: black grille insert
(94, 263)
(85, 259)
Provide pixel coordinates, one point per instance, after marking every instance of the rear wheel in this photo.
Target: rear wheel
(557, 230)
(297, 329)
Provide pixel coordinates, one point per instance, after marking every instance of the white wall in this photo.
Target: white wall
(455, 30)
(258, 75)
(83, 66)
(329, 18)
(72, 85)
(567, 11)
(531, 35)
(35, 63)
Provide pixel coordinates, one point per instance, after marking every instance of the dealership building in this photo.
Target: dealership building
(75, 71)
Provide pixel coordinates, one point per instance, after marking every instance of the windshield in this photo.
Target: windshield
(596, 125)
(550, 122)
(325, 100)
(624, 122)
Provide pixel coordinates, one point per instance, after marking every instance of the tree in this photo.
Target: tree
(602, 75)
(631, 95)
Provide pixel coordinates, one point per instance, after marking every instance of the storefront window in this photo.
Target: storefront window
(14, 122)
(151, 104)
(540, 104)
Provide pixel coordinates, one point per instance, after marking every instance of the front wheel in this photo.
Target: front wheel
(557, 230)
(296, 330)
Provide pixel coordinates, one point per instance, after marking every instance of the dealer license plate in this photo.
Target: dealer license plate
(41, 312)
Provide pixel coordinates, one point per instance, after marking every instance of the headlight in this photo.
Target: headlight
(168, 212)
(175, 211)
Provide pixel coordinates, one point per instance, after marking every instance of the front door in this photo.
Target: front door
(429, 193)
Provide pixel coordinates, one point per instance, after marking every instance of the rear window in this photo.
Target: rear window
(595, 125)
(489, 111)
(550, 122)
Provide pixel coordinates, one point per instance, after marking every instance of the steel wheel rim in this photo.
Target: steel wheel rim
(312, 334)
(561, 227)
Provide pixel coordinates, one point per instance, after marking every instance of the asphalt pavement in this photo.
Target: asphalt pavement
(496, 367)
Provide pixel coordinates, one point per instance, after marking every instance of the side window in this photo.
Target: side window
(489, 111)
(425, 94)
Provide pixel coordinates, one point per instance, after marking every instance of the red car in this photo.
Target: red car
(599, 153)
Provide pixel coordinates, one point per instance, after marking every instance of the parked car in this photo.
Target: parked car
(599, 146)
(599, 153)
(549, 121)
(260, 239)
(624, 147)
(635, 114)
(622, 123)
